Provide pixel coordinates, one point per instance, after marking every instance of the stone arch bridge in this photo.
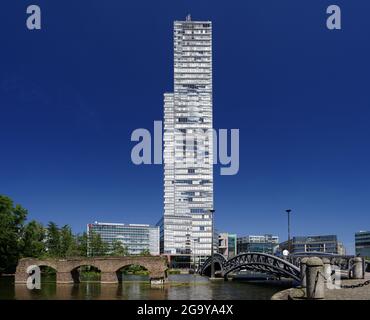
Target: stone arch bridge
(109, 267)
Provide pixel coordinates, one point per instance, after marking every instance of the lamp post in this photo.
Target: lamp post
(288, 211)
(194, 266)
(212, 212)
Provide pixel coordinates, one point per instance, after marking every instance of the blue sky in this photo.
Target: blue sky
(72, 93)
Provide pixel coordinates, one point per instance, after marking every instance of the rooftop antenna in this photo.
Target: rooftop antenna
(188, 17)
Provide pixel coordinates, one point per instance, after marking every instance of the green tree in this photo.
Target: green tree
(53, 242)
(11, 226)
(96, 246)
(82, 244)
(68, 245)
(118, 249)
(135, 269)
(145, 252)
(33, 240)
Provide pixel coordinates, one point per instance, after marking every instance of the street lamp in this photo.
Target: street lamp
(212, 212)
(288, 211)
(194, 266)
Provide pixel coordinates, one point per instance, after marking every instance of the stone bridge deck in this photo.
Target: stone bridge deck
(67, 269)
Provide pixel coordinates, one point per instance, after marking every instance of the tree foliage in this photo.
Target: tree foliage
(96, 246)
(118, 249)
(12, 218)
(19, 239)
(53, 240)
(82, 245)
(145, 252)
(33, 240)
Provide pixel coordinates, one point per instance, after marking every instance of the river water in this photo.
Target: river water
(179, 287)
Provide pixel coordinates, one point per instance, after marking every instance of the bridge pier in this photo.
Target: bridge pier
(20, 277)
(64, 277)
(108, 277)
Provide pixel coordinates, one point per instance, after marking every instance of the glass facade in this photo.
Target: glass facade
(135, 237)
(323, 244)
(362, 243)
(186, 226)
(263, 244)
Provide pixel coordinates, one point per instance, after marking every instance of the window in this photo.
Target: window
(196, 210)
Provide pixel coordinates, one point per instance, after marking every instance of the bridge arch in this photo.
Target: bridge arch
(135, 267)
(46, 263)
(49, 270)
(21, 274)
(77, 272)
(219, 259)
(260, 262)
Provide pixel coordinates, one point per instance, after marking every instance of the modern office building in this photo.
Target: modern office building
(263, 244)
(227, 244)
(186, 226)
(362, 243)
(322, 244)
(135, 237)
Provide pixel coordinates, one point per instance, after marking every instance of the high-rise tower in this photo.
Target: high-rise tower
(186, 227)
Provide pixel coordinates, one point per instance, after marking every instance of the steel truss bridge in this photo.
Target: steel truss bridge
(268, 264)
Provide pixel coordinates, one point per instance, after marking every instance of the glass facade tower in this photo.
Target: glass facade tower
(186, 227)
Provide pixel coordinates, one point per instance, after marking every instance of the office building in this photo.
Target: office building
(227, 244)
(362, 243)
(321, 244)
(261, 243)
(186, 226)
(135, 237)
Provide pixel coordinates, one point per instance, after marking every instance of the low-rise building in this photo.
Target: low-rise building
(320, 243)
(137, 238)
(267, 243)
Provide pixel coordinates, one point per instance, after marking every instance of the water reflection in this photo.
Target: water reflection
(185, 287)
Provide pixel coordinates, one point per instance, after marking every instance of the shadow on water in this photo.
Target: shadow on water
(186, 287)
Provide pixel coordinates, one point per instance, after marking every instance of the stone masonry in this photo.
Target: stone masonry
(67, 269)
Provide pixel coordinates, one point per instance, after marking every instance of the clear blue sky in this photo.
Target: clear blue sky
(71, 94)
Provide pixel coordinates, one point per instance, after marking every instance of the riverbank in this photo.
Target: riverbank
(361, 293)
